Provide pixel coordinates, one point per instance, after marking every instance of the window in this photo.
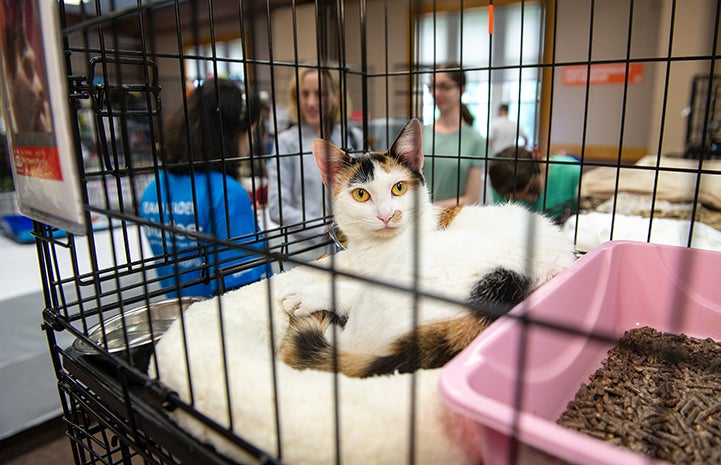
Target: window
(463, 36)
(228, 63)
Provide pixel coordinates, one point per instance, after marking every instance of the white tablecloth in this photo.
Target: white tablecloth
(28, 391)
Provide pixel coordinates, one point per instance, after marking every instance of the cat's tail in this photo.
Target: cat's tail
(429, 346)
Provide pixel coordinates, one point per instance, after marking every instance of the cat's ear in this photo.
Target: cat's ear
(408, 146)
(330, 160)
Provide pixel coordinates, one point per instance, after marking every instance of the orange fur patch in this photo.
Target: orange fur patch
(447, 215)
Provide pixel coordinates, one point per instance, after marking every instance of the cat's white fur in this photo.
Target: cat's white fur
(374, 412)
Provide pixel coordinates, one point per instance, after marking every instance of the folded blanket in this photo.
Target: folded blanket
(665, 184)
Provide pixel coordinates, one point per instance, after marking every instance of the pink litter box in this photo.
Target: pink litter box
(518, 376)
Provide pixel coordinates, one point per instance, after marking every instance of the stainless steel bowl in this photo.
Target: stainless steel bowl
(136, 323)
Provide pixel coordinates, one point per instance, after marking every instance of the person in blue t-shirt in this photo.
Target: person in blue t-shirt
(197, 192)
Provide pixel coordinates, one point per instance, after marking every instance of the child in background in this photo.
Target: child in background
(197, 192)
(550, 187)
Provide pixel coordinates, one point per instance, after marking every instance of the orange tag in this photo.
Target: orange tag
(38, 162)
(490, 19)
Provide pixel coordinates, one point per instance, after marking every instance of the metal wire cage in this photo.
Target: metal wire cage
(596, 80)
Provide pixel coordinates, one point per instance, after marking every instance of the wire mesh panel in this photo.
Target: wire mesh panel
(212, 230)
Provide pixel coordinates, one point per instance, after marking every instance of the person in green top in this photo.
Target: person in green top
(550, 187)
(453, 168)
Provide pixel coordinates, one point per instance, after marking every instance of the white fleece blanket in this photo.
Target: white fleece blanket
(376, 424)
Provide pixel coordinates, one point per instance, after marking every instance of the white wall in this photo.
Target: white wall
(595, 115)
(605, 112)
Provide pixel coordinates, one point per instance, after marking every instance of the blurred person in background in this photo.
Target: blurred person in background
(197, 191)
(550, 187)
(454, 151)
(296, 195)
(505, 133)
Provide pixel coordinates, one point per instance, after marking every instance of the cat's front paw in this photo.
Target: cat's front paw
(291, 304)
(303, 300)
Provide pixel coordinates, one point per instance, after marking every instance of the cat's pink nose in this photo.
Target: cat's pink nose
(385, 219)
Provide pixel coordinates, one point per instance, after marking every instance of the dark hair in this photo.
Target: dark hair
(503, 107)
(219, 111)
(457, 75)
(512, 170)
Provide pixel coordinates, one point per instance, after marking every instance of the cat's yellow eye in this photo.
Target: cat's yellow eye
(361, 195)
(399, 188)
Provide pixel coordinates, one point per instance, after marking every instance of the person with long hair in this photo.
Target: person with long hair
(197, 191)
(454, 151)
(296, 193)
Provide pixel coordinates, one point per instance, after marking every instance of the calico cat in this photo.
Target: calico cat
(469, 266)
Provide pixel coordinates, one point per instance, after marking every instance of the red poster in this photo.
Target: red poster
(38, 162)
(611, 73)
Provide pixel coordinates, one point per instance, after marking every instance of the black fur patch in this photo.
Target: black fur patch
(308, 344)
(305, 344)
(406, 360)
(366, 168)
(332, 317)
(498, 292)
(410, 354)
(417, 175)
